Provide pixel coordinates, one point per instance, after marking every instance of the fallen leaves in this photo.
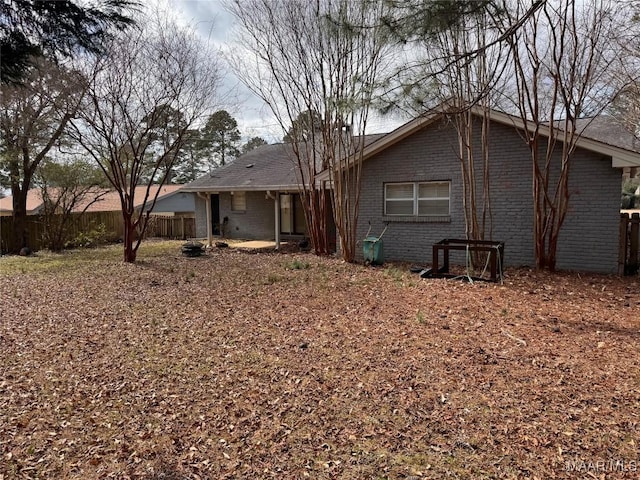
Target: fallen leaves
(237, 365)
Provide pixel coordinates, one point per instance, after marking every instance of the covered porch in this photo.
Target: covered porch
(256, 197)
(275, 216)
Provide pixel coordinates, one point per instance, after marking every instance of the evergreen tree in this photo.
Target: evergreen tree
(303, 127)
(220, 137)
(54, 29)
(253, 143)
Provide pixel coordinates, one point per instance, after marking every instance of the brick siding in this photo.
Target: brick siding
(588, 240)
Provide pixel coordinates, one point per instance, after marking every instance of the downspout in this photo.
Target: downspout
(207, 197)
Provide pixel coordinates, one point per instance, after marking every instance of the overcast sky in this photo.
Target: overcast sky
(253, 116)
(215, 24)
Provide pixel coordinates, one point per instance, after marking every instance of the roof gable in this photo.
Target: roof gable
(613, 141)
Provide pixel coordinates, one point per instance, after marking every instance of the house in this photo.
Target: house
(34, 203)
(412, 185)
(250, 196)
(171, 201)
(174, 201)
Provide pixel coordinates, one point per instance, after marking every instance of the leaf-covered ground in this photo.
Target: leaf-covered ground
(259, 366)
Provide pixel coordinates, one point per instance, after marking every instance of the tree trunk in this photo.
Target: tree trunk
(19, 237)
(316, 216)
(130, 252)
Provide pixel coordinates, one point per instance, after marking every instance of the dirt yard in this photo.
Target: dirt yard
(256, 366)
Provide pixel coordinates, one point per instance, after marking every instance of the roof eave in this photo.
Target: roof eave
(242, 188)
(620, 156)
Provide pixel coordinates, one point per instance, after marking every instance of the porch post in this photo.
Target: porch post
(277, 212)
(209, 221)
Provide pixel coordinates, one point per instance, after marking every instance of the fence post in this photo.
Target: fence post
(634, 244)
(622, 245)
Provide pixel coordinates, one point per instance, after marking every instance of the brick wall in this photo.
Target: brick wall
(589, 238)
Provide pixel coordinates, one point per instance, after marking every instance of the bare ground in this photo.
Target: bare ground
(239, 365)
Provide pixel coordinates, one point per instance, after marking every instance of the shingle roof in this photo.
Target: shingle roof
(34, 202)
(109, 202)
(268, 167)
(608, 130)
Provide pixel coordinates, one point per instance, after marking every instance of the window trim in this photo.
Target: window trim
(412, 199)
(416, 200)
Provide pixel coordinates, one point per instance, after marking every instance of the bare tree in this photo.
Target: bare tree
(626, 106)
(563, 57)
(323, 57)
(124, 124)
(458, 86)
(33, 118)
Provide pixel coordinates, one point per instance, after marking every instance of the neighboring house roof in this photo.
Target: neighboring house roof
(601, 134)
(268, 167)
(109, 202)
(34, 202)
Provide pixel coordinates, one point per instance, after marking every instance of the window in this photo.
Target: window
(399, 199)
(433, 199)
(238, 202)
(423, 199)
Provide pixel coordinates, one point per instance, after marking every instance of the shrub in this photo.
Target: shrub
(93, 237)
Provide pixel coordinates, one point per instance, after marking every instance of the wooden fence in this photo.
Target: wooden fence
(163, 227)
(629, 254)
(171, 227)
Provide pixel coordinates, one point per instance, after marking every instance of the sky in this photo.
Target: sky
(254, 118)
(215, 25)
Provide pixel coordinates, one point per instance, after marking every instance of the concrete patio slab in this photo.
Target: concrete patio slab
(256, 245)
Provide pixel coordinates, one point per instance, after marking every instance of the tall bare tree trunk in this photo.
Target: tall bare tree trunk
(19, 237)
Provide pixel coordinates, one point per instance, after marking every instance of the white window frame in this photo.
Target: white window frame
(235, 199)
(416, 199)
(386, 200)
(447, 198)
